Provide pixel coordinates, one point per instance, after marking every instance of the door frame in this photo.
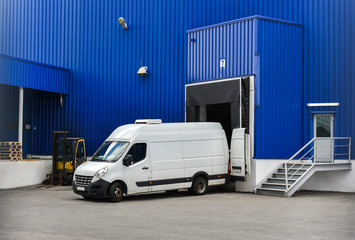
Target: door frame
(323, 145)
(251, 103)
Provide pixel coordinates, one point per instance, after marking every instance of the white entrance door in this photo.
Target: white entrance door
(323, 132)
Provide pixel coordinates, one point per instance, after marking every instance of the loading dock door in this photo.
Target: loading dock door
(224, 101)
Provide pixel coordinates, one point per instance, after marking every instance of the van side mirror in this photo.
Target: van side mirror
(128, 160)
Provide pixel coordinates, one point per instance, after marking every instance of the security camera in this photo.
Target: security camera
(142, 71)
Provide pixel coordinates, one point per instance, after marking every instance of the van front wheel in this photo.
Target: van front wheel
(115, 192)
(199, 186)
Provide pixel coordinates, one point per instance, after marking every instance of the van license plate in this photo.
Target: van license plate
(80, 188)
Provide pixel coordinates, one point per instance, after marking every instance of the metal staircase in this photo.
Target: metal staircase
(319, 154)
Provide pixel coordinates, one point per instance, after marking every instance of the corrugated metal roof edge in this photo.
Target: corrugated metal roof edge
(243, 20)
(66, 93)
(33, 62)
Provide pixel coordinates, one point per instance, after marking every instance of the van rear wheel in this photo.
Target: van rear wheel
(199, 186)
(115, 192)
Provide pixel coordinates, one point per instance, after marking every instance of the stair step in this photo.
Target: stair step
(275, 186)
(280, 180)
(282, 175)
(272, 192)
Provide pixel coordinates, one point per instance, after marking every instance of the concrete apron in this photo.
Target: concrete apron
(15, 174)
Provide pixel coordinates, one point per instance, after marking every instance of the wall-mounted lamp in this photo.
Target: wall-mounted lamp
(123, 23)
(335, 104)
(61, 100)
(143, 70)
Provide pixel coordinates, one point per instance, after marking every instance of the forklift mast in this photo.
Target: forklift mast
(67, 154)
(55, 150)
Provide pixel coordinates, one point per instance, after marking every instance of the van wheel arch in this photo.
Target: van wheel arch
(123, 184)
(200, 174)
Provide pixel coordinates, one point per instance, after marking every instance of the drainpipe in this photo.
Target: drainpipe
(20, 115)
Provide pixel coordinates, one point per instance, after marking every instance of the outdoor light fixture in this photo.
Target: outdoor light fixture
(61, 100)
(143, 70)
(122, 22)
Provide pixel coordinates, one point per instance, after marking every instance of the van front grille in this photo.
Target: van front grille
(82, 180)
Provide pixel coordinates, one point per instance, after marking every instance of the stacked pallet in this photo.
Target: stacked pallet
(10, 151)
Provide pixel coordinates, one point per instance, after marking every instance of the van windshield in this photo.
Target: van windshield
(110, 151)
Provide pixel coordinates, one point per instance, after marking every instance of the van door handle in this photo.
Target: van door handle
(145, 168)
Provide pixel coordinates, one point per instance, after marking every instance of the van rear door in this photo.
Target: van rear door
(239, 153)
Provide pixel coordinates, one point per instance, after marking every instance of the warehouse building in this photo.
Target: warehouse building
(282, 69)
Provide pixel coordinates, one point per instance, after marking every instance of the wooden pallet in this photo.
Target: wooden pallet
(10, 144)
(14, 151)
(12, 154)
(10, 151)
(11, 158)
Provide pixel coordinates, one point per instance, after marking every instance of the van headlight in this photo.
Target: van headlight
(99, 174)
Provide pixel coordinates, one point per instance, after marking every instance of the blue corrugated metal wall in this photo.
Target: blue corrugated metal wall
(271, 50)
(47, 115)
(84, 36)
(23, 73)
(232, 41)
(278, 114)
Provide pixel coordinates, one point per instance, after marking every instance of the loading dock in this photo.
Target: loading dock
(268, 49)
(225, 101)
(231, 103)
(31, 103)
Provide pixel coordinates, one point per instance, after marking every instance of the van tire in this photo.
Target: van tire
(199, 186)
(115, 192)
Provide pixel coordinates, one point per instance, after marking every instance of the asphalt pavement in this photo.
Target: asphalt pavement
(38, 212)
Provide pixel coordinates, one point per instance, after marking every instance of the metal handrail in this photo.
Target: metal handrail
(307, 153)
(335, 146)
(301, 159)
(299, 151)
(298, 170)
(313, 158)
(312, 140)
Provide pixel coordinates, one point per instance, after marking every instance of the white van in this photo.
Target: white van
(152, 156)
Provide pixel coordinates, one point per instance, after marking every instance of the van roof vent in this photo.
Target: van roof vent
(148, 121)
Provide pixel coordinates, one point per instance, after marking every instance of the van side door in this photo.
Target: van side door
(239, 153)
(137, 171)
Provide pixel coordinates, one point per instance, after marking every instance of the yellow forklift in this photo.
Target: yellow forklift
(64, 165)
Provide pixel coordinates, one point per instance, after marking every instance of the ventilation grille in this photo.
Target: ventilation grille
(82, 180)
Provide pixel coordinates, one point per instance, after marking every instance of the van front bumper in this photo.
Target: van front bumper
(96, 189)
